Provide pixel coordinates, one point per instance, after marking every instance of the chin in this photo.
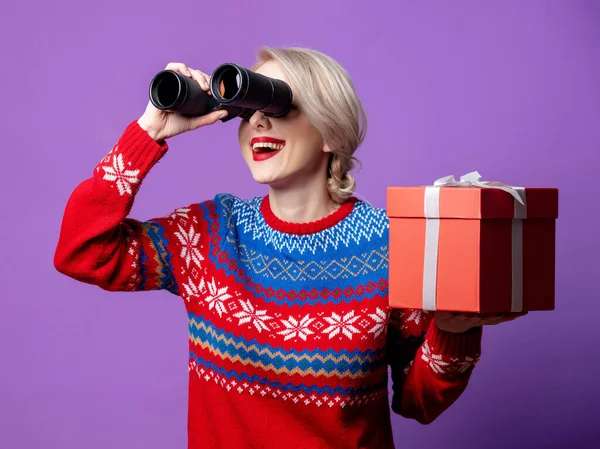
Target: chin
(270, 179)
(263, 178)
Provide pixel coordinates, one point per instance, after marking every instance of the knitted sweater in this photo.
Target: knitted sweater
(290, 332)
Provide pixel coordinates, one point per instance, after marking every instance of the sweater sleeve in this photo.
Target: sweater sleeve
(97, 243)
(430, 368)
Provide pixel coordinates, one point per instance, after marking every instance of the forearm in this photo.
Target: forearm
(438, 374)
(96, 238)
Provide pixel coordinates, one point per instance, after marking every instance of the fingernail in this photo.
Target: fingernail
(189, 73)
(223, 115)
(205, 84)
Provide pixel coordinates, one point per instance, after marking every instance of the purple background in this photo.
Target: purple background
(509, 88)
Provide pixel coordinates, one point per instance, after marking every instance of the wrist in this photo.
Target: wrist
(153, 133)
(454, 329)
(463, 331)
(455, 344)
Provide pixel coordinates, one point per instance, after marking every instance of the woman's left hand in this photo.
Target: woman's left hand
(458, 323)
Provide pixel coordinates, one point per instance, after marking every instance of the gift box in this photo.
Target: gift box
(472, 246)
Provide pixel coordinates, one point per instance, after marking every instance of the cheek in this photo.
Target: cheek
(242, 130)
(314, 143)
(303, 133)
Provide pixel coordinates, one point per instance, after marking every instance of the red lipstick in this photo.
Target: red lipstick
(265, 147)
(262, 139)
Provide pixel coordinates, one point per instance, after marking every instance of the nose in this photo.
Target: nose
(258, 120)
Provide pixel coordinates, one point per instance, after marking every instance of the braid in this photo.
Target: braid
(341, 183)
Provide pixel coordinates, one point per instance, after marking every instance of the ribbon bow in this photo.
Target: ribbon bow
(473, 179)
(432, 235)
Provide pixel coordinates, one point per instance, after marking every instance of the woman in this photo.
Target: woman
(290, 332)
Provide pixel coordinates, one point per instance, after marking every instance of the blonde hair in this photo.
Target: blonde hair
(326, 95)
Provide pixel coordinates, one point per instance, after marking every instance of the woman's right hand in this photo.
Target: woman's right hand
(161, 125)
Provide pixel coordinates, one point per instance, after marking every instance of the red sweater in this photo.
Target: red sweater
(290, 332)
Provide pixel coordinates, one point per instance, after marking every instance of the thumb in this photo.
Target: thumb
(208, 119)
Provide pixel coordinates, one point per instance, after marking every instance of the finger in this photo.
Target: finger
(492, 320)
(510, 317)
(442, 315)
(209, 119)
(178, 67)
(475, 321)
(502, 315)
(201, 77)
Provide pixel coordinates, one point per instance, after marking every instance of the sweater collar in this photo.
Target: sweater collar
(309, 227)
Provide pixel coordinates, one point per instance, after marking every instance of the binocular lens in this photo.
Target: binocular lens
(171, 91)
(230, 82)
(166, 89)
(235, 86)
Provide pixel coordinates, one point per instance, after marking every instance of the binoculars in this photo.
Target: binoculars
(235, 89)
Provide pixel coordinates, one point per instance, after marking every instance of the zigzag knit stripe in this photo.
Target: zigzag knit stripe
(143, 258)
(308, 389)
(322, 363)
(280, 364)
(156, 233)
(363, 224)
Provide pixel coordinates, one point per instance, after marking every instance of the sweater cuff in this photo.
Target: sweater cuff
(140, 149)
(453, 345)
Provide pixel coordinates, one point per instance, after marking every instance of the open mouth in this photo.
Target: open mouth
(264, 147)
(267, 147)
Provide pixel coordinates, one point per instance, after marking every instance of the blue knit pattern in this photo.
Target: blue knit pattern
(304, 388)
(340, 363)
(354, 252)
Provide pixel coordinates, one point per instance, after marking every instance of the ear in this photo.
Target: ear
(326, 148)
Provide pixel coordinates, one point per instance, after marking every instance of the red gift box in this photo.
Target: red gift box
(472, 246)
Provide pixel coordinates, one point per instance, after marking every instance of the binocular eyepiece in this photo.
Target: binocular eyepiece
(235, 89)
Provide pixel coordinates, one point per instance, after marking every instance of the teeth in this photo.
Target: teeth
(270, 145)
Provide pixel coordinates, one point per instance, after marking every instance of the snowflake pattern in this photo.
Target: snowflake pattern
(451, 366)
(216, 297)
(435, 361)
(380, 317)
(339, 324)
(189, 241)
(415, 315)
(181, 212)
(404, 319)
(248, 314)
(295, 328)
(464, 365)
(118, 174)
(194, 290)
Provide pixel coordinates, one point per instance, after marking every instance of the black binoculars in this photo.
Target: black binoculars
(235, 89)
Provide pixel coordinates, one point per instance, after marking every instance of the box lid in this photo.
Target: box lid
(471, 202)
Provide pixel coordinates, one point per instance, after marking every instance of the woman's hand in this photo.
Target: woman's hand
(161, 125)
(458, 323)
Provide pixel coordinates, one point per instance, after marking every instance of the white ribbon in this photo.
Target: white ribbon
(473, 179)
(432, 235)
